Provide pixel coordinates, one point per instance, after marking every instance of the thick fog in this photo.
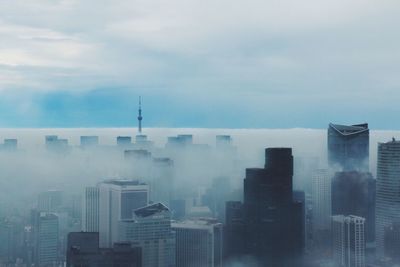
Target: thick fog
(32, 168)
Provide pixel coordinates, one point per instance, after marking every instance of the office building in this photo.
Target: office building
(46, 239)
(321, 200)
(234, 231)
(348, 240)
(117, 201)
(387, 190)
(124, 141)
(89, 141)
(83, 250)
(162, 180)
(150, 228)
(55, 144)
(348, 147)
(199, 243)
(273, 221)
(353, 193)
(90, 213)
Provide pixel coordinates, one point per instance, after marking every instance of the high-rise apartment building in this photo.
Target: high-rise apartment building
(348, 240)
(348, 147)
(199, 243)
(117, 201)
(150, 228)
(90, 213)
(387, 190)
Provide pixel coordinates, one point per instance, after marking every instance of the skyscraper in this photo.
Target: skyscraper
(46, 239)
(353, 193)
(348, 147)
(387, 190)
(150, 228)
(348, 240)
(90, 214)
(117, 201)
(321, 200)
(273, 221)
(198, 243)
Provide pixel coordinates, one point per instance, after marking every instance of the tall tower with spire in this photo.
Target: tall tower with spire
(140, 116)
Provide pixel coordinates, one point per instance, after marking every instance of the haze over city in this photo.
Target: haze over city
(199, 133)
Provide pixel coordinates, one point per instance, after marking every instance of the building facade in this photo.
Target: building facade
(387, 190)
(150, 228)
(199, 243)
(117, 201)
(348, 147)
(90, 212)
(348, 240)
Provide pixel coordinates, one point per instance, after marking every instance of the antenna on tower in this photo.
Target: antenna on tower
(140, 115)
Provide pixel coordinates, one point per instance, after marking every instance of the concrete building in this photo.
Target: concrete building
(46, 239)
(348, 240)
(117, 201)
(199, 243)
(150, 228)
(90, 212)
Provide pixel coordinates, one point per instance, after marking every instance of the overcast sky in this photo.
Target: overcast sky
(200, 63)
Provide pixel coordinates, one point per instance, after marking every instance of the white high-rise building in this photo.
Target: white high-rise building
(117, 201)
(198, 243)
(46, 236)
(90, 213)
(321, 200)
(150, 228)
(387, 190)
(348, 239)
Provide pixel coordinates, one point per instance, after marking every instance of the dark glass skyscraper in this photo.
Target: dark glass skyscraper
(273, 221)
(348, 147)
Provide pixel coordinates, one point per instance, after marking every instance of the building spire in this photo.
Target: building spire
(140, 115)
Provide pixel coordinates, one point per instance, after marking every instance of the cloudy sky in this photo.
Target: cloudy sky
(199, 63)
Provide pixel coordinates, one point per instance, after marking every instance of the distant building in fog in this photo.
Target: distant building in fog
(124, 141)
(387, 190)
(10, 144)
(117, 201)
(50, 201)
(198, 243)
(348, 240)
(55, 144)
(150, 228)
(223, 141)
(46, 236)
(348, 147)
(392, 241)
(89, 141)
(83, 250)
(321, 200)
(353, 193)
(90, 213)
